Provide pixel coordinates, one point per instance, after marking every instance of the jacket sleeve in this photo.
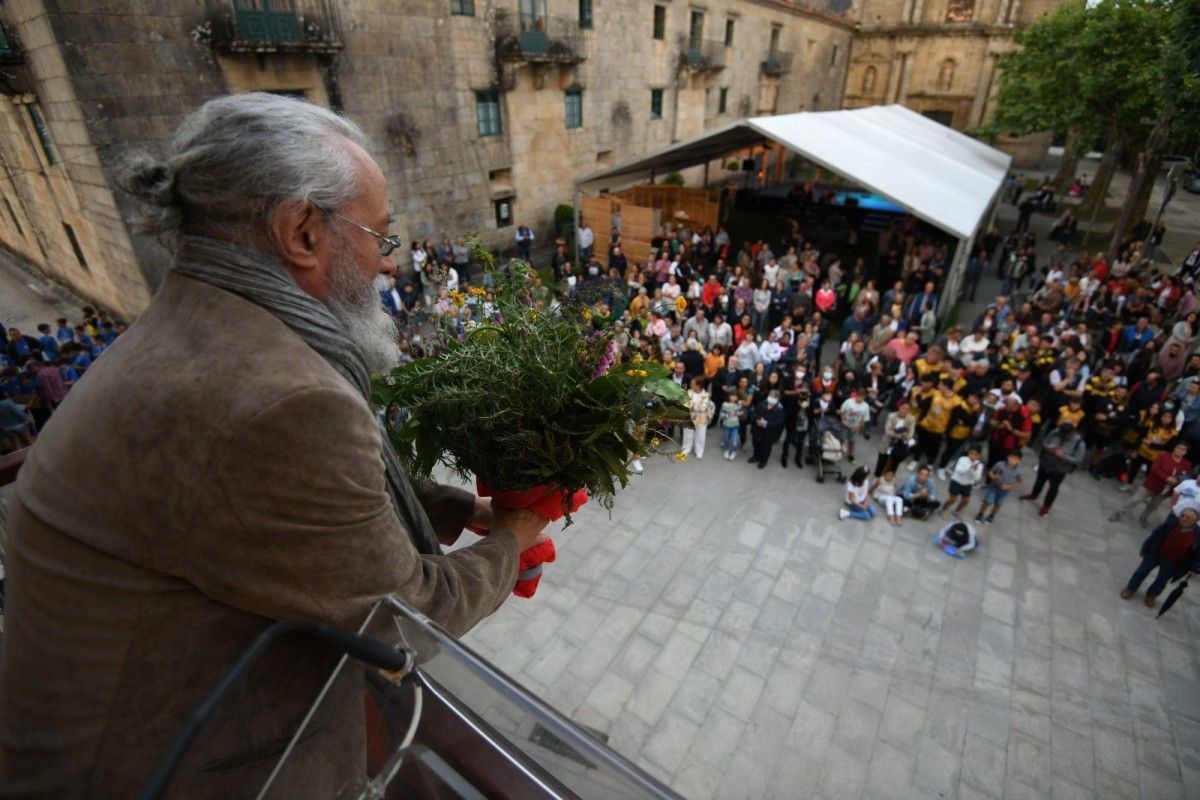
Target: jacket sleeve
(296, 521)
(448, 508)
(1078, 449)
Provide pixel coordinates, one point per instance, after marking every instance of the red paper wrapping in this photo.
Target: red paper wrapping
(547, 503)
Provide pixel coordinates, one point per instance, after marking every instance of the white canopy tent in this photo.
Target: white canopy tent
(939, 175)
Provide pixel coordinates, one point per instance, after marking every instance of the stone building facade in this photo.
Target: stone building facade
(482, 112)
(938, 57)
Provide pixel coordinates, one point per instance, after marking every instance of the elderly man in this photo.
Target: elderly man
(248, 483)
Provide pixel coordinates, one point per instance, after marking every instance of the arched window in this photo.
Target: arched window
(868, 80)
(945, 77)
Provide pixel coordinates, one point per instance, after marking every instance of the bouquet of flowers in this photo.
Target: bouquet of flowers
(534, 402)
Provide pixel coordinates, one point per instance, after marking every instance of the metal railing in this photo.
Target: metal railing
(538, 37)
(258, 26)
(776, 64)
(705, 56)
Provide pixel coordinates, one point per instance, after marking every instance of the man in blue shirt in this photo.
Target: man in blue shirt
(20, 347)
(64, 333)
(920, 494)
(48, 341)
(928, 297)
(1135, 336)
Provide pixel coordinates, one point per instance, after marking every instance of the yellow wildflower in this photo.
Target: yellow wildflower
(637, 358)
(457, 297)
(681, 456)
(477, 291)
(633, 373)
(681, 304)
(655, 442)
(586, 314)
(533, 315)
(642, 373)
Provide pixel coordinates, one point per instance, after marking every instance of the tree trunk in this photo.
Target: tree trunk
(1066, 168)
(1098, 192)
(1141, 183)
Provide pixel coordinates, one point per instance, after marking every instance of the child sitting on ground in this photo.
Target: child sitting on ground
(885, 493)
(956, 539)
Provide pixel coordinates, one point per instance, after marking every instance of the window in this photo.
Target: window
(773, 48)
(487, 113)
(660, 22)
(945, 78)
(75, 246)
(39, 125)
(960, 10)
(503, 213)
(696, 30)
(868, 80)
(656, 103)
(833, 56)
(729, 24)
(585, 14)
(574, 110)
(722, 100)
(462, 8)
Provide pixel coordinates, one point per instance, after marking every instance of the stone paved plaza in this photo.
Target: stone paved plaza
(734, 638)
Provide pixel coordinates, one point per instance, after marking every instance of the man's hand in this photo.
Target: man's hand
(482, 513)
(527, 526)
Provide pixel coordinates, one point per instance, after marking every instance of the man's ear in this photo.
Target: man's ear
(298, 231)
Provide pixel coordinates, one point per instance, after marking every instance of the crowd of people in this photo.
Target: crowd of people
(1084, 362)
(36, 371)
(1088, 361)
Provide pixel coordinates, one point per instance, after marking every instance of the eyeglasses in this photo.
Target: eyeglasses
(387, 244)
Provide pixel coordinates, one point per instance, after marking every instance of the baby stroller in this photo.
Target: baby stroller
(828, 443)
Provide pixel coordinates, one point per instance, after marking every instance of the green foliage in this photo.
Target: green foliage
(564, 214)
(733, 166)
(525, 398)
(673, 179)
(1088, 69)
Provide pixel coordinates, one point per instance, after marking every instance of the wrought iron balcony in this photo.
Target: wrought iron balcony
(10, 46)
(776, 64)
(538, 38)
(268, 26)
(704, 56)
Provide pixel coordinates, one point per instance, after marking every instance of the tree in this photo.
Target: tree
(1178, 113)
(1088, 71)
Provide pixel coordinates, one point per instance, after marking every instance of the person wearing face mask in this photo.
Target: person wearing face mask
(1063, 450)
(766, 424)
(795, 408)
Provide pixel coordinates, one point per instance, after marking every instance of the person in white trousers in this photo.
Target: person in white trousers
(702, 409)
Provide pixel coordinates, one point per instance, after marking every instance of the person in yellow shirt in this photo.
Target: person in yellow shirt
(962, 420)
(1072, 412)
(931, 363)
(934, 421)
(1159, 433)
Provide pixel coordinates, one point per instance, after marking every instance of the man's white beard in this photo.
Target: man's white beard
(354, 302)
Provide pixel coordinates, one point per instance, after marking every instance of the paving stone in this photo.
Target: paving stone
(983, 764)
(740, 692)
(937, 768)
(669, 741)
(889, 775)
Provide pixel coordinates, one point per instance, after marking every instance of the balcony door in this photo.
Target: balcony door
(533, 15)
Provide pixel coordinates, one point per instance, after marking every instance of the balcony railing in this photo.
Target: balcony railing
(776, 64)
(538, 38)
(705, 56)
(10, 46)
(267, 26)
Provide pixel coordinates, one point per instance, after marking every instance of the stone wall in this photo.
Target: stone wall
(111, 81)
(65, 191)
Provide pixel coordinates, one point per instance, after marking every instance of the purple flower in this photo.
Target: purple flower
(607, 359)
